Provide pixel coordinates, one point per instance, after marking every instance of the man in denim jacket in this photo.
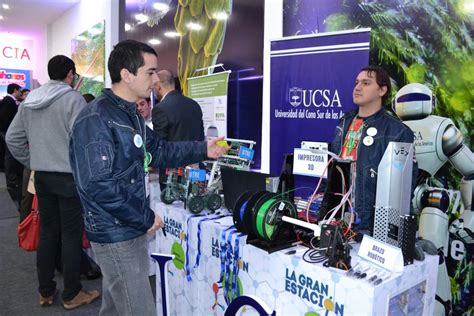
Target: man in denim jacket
(110, 150)
(364, 134)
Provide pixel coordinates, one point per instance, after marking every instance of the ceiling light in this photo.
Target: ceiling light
(1, 17)
(5, 6)
(154, 41)
(141, 18)
(221, 15)
(194, 26)
(159, 6)
(172, 34)
(128, 27)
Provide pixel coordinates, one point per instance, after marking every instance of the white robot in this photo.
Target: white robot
(437, 140)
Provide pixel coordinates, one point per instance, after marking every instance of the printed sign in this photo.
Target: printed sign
(16, 53)
(210, 92)
(382, 254)
(8, 76)
(197, 175)
(308, 163)
(246, 153)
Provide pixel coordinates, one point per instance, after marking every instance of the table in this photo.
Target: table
(286, 283)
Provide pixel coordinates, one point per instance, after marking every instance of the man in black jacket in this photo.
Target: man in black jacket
(13, 169)
(363, 136)
(9, 106)
(176, 117)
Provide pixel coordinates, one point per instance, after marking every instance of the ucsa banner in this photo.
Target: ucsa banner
(312, 78)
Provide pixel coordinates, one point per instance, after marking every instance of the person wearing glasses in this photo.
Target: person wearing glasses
(38, 137)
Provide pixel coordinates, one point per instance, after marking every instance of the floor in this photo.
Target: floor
(18, 282)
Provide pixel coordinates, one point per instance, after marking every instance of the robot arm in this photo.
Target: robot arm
(459, 154)
(462, 159)
(467, 193)
(463, 227)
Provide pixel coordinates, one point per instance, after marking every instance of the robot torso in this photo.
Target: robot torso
(429, 142)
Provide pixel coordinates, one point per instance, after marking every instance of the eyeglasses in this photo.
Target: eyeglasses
(77, 77)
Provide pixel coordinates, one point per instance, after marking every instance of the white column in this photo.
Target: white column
(273, 28)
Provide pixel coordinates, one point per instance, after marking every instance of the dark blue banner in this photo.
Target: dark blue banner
(312, 78)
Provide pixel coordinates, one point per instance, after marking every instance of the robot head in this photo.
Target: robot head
(413, 102)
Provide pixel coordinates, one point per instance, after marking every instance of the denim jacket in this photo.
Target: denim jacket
(107, 160)
(389, 129)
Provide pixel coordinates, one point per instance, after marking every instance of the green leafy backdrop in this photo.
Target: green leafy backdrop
(421, 41)
(429, 42)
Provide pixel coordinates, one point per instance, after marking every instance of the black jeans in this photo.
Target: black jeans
(13, 174)
(61, 222)
(2, 150)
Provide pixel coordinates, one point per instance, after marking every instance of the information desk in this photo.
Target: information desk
(285, 282)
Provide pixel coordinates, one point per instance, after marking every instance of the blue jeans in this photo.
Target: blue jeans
(61, 226)
(126, 289)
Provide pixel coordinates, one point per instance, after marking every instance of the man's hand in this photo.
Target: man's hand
(156, 225)
(214, 150)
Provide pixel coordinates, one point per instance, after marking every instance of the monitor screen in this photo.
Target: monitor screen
(235, 182)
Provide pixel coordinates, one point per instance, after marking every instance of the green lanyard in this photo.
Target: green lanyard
(147, 159)
(353, 135)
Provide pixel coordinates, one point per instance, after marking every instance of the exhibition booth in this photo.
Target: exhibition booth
(272, 227)
(214, 264)
(270, 246)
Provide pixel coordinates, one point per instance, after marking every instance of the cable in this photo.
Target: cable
(340, 262)
(343, 188)
(313, 256)
(334, 210)
(317, 188)
(330, 153)
(311, 243)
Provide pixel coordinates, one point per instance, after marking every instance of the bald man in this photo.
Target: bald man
(176, 117)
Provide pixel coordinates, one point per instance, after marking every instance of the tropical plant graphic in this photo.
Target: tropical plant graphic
(429, 42)
(88, 53)
(202, 25)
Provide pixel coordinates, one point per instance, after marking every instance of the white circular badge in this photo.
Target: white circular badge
(372, 131)
(368, 140)
(138, 141)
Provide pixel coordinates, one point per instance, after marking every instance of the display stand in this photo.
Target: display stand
(282, 279)
(283, 240)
